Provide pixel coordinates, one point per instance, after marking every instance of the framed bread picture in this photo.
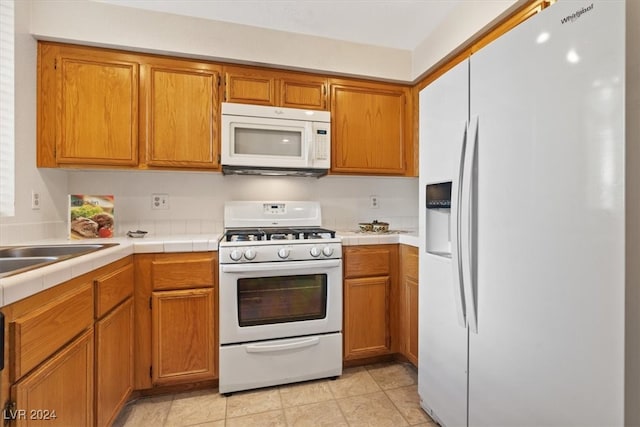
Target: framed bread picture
(91, 217)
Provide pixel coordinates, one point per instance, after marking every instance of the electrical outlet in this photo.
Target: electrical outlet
(35, 200)
(373, 202)
(159, 201)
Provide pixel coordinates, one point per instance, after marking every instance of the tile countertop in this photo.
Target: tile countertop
(19, 286)
(353, 238)
(22, 285)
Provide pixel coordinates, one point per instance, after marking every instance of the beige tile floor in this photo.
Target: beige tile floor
(374, 396)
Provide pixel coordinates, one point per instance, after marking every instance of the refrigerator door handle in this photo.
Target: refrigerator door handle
(456, 266)
(466, 227)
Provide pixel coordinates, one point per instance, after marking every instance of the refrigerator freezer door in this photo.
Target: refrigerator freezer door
(442, 353)
(550, 233)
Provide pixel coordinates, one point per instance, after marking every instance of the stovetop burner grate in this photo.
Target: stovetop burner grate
(277, 233)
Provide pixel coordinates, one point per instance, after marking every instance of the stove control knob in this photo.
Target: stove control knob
(250, 254)
(235, 254)
(284, 253)
(315, 252)
(327, 251)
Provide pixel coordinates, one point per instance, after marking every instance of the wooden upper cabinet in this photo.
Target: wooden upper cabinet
(88, 107)
(371, 128)
(246, 85)
(308, 93)
(180, 113)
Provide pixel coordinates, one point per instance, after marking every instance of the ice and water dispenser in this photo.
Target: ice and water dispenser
(438, 219)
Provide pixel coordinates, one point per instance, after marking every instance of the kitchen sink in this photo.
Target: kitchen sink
(50, 250)
(12, 265)
(18, 259)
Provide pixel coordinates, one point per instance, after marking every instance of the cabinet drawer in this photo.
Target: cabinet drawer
(362, 262)
(113, 288)
(180, 271)
(42, 332)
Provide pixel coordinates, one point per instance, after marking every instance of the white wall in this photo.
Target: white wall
(28, 224)
(196, 200)
(102, 24)
(88, 22)
(466, 20)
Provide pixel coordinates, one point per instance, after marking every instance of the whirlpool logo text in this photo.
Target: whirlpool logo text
(577, 14)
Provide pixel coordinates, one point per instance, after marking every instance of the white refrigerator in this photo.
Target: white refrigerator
(522, 293)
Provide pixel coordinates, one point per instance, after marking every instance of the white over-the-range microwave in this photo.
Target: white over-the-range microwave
(262, 140)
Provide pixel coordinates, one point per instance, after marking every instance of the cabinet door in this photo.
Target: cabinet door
(248, 86)
(60, 391)
(93, 96)
(303, 92)
(411, 332)
(181, 101)
(183, 336)
(366, 317)
(408, 312)
(369, 129)
(114, 362)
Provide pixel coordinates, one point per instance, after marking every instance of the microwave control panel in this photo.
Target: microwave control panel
(321, 135)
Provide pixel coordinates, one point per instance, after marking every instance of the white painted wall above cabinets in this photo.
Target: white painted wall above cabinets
(108, 25)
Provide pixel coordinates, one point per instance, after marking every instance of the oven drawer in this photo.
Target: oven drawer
(267, 363)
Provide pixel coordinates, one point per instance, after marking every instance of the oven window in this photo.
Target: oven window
(280, 299)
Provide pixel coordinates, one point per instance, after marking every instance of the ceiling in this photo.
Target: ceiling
(398, 24)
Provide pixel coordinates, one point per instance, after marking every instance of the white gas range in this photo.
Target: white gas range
(280, 296)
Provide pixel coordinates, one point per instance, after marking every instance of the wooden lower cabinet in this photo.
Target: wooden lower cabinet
(366, 321)
(411, 334)
(114, 362)
(175, 319)
(182, 336)
(370, 300)
(60, 391)
(409, 302)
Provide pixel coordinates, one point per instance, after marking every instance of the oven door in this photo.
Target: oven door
(279, 300)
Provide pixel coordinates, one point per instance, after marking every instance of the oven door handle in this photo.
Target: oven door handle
(269, 348)
(280, 266)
